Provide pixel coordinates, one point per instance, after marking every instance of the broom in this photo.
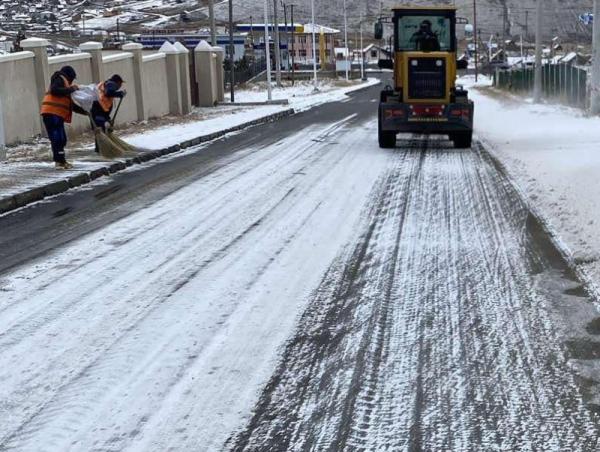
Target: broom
(115, 139)
(107, 148)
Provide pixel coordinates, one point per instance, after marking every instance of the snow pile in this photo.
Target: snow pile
(553, 152)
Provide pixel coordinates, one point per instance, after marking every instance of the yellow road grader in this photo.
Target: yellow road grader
(425, 98)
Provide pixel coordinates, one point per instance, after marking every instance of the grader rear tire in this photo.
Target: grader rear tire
(387, 140)
(462, 140)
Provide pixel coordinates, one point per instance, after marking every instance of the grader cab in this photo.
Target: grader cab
(424, 98)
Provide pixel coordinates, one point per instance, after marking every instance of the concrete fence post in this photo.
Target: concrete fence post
(138, 78)
(205, 74)
(184, 74)
(220, 53)
(39, 47)
(2, 135)
(95, 50)
(173, 77)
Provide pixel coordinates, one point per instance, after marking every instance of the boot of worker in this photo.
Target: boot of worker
(63, 165)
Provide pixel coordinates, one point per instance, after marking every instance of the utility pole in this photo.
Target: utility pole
(362, 51)
(504, 21)
(314, 44)
(213, 27)
(287, 38)
(522, 54)
(231, 53)
(595, 101)
(537, 87)
(268, 51)
(293, 45)
(346, 39)
(596, 11)
(476, 40)
(277, 46)
(527, 25)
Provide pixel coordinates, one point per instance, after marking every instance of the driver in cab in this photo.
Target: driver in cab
(426, 40)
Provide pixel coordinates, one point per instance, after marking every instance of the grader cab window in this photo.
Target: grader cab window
(424, 33)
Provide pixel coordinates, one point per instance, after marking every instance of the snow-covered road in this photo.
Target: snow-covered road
(443, 329)
(308, 292)
(157, 332)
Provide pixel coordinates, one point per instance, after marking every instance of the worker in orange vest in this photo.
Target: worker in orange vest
(57, 109)
(108, 91)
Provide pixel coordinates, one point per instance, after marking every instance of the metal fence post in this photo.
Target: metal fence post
(560, 82)
(572, 96)
(565, 93)
(544, 80)
(579, 96)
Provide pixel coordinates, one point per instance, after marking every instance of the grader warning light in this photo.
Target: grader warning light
(425, 67)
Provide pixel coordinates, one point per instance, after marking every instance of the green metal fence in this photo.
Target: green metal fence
(564, 83)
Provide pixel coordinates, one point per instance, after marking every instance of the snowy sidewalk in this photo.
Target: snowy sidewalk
(553, 154)
(29, 175)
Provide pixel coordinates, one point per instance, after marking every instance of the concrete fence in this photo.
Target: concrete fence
(157, 84)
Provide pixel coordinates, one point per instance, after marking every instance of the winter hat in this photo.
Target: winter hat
(69, 72)
(116, 78)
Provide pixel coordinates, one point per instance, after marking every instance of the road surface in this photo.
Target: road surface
(294, 287)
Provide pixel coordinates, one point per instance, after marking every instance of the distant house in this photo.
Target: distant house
(6, 44)
(373, 53)
(302, 45)
(576, 59)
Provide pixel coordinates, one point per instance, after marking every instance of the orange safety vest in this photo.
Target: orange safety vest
(58, 105)
(105, 102)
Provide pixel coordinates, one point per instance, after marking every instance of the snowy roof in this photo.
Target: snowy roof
(369, 47)
(308, 28)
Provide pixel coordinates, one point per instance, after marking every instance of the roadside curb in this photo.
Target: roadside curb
(30, 196)
(578, 269)
(266, 103)
(363, 88)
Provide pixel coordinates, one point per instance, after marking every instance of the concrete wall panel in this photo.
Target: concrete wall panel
(122, 64)
(155, 90)
(19, 97)
(20, 93)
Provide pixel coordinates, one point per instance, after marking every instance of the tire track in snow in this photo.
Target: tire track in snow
(437, 333)
(124, 344)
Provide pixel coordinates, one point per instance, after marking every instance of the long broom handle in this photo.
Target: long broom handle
(112, 121)
(92, 122)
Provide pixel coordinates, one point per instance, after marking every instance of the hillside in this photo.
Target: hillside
(560, 15)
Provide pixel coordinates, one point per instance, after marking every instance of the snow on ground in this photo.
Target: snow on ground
(171, 340)
(302, 95)
(29, 166)
(176, 133)
(104, 23)
(301, 98)
(553, 153)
